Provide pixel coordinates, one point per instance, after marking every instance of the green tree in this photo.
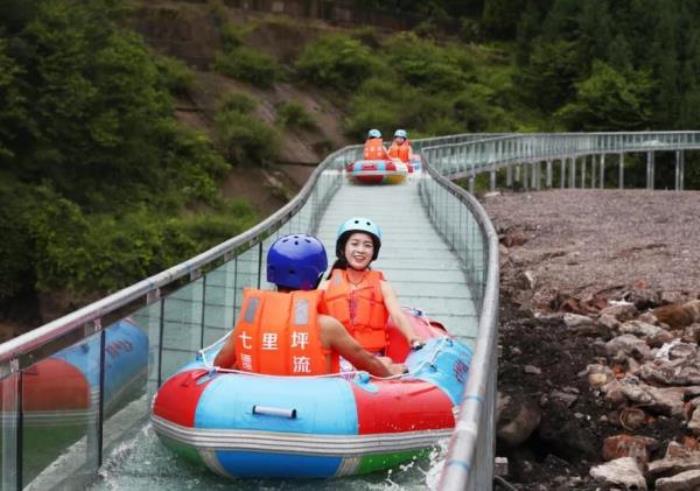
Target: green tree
(500, 17)
(548, 80)
(610, 101)
(336, 61)
(12, 106)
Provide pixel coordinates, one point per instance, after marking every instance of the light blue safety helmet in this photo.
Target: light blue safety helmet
(400, 134)
(374, 133)
(358, 224)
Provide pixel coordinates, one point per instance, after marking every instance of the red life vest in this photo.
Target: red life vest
(279, 334)
(361, 309)
(403, 152)
(374, 149)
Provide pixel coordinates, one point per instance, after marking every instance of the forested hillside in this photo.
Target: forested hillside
(103, 181)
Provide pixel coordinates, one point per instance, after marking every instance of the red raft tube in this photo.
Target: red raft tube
(377, 171)
(242, 424)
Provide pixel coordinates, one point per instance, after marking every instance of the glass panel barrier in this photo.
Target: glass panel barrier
(219, 305)
(150, 319)
(129, 368)
(246, 275)
(182, 327)
(9, 429)
(60, 417)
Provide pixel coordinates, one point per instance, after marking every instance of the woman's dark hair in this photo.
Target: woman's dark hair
(340, 263)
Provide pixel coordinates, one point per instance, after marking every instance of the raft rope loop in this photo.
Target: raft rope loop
(427, 362)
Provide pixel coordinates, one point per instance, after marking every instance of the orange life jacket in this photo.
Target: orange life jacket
(361, 310)
(404, 152)
(279, 334)
(374, 149)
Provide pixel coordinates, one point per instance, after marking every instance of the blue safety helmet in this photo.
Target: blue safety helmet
(358, 224)
(374, 133)
(296, 262)
(400, 134)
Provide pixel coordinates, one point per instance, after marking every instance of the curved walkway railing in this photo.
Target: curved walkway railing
(528, 152)
(190, 305)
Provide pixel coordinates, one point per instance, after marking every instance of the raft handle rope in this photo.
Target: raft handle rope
(427, 362)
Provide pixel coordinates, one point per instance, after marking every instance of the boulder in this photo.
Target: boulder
(598, 375)
(532, 370)
(653, 335)
(672, 373)
(694, 423)
(628, 345)
(637, 447)
(679, 315)
(621, 311)
(632, 418)
(685, 481)
(691, 334)
(613, 392)
(574, 321)
(666, 401)
(609, 321)
(673, 465)
(517, 420)
(623, 472)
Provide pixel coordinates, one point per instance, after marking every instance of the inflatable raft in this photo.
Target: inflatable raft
(246, 425)
(377, 171)
(60, 394)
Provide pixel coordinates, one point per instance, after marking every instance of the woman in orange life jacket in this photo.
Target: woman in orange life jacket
(359, 297)
(401, 148)
(374, 146)
(281, 332)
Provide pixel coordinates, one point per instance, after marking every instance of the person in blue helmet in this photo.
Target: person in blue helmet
(281, 332)
(358, 296)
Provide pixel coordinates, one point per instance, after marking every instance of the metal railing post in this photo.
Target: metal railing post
(562, 175)
(621, 171)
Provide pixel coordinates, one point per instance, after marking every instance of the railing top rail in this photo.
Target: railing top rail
(551, 136)
(31, 340)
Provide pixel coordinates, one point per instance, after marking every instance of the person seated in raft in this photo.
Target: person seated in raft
(359, 297)
(281, 332)
(374, 146)
(401, 148)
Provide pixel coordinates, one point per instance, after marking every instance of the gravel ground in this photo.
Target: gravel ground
(580, 242)
(574, 251)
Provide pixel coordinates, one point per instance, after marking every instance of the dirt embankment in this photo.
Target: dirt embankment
(191, 33)
(590, 382)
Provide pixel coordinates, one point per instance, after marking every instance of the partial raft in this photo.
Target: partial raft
(377, 171)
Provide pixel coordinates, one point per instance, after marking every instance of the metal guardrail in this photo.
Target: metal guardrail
(490, 153)
(466, 228)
